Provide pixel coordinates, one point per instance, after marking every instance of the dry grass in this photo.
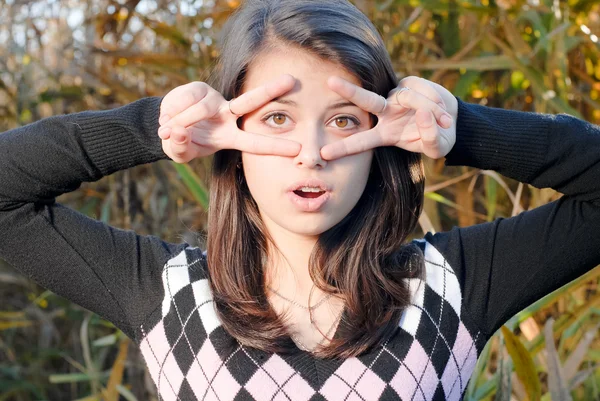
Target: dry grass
(537, 56)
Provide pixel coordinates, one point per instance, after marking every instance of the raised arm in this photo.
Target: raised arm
(508, 264)
(113, 272)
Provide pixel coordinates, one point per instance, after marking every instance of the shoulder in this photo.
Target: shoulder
(186, 268)
(186, 291)
(440, 284)
(437, 303)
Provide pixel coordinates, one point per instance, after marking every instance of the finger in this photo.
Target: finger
(163, 118)
(422, 86)
(181, 151)
(263, 145)
(359, 142)
(180, 98)
(164, 132)
(415, 100)
(429, 132)
(257, 97)
(366, 100)
(202, 110)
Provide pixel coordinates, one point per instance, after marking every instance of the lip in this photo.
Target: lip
(310, 182)
(309, 204)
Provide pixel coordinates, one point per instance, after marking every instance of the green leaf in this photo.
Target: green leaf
(77, 377)
(167, 31)
(105, 209)
(193, 183)
(503, 393)
(483, 63)
(479, 379)
(106, 340)
(439, 198)
(463, 86)
(128, 395)
(491, 196)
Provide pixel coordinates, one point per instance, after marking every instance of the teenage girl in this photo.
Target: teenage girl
(308, 288)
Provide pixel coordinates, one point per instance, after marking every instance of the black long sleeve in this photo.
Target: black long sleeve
(502, 266)
(113, 272)
(506, 265)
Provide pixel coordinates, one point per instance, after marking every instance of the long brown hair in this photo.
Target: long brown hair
(364, 257)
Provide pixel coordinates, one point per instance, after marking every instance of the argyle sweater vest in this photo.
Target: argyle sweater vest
(190, 356)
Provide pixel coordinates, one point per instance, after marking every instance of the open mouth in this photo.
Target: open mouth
(309, 194)
(310, 197)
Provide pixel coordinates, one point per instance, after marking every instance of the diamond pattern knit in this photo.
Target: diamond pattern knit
(190, 356)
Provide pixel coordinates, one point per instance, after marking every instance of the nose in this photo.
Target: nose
(310, 153)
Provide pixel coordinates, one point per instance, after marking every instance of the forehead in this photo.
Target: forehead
(310, 70)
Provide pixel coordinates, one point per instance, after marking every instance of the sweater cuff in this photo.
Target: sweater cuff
(513, 143)
(124, 137)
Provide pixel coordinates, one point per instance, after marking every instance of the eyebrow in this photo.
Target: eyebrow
(289, 102)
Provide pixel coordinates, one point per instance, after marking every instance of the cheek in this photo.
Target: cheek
(261, 175)
(252, 168)
(361, 166)
(352, 175)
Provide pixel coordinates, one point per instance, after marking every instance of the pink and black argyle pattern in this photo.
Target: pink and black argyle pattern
(190, 357)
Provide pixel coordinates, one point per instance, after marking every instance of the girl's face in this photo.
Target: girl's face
(313, 115)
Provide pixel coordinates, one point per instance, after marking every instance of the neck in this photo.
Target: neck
(287, 264)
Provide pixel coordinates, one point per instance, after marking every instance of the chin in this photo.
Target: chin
(308, 228)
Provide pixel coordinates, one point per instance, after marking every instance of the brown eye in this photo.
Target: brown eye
(341, 122)
(344, 123)
(279, 119)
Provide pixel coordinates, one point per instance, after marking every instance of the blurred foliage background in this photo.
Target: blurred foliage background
(66, 56)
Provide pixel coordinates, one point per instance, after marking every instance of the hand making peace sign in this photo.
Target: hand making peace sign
(197, 121)
(408, 118)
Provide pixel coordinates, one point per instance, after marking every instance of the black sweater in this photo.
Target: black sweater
(157, 292)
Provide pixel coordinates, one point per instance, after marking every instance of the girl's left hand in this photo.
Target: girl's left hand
(422, 119)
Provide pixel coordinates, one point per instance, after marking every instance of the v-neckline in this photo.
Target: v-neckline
(336, 333)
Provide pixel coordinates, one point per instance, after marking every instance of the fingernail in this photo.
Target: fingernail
(179, 138)
(163, 119)
(446, 120)
(163, 131)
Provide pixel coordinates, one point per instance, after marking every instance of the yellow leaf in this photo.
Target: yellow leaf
(477, 94)
(111, 393)
(414, 27)
(589, 66)
(12, 314)
(122, 15)
(26, 59)
(14, 325)
(523, 363)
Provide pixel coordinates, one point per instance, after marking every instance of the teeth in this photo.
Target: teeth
(310, 189)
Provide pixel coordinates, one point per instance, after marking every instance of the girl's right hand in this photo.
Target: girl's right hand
(196, 121)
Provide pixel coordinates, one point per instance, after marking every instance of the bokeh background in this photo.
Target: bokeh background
(66, 56)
